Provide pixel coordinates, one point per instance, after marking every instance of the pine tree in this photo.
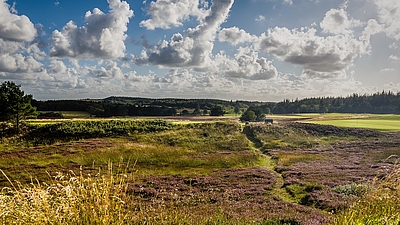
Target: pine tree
(14, 104)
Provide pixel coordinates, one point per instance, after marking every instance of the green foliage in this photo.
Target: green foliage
(76, 130)
(253, 114)
(15, 105)
(300, 193)
(50, 115)
(278, 136)
(249, 115)
(217, 111)
(352, 190)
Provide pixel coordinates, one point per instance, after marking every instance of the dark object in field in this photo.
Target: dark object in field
(269, 121)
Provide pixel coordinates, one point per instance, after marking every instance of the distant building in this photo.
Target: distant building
(269, 121)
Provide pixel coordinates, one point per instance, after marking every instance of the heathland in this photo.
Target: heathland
(202, 170)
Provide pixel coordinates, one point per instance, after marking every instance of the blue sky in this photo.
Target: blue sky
(266, 50)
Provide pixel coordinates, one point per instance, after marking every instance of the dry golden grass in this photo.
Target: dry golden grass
(69, 199)
(381, 205)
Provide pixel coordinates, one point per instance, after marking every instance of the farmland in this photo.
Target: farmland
(152, 171)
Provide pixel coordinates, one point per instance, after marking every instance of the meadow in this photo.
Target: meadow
(156, 171)
(383, 122)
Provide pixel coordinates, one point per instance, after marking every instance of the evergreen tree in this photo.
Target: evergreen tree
(15, 105)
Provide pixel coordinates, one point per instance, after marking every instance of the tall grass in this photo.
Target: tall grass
(69, 199)
(381, 205)
(102, 198)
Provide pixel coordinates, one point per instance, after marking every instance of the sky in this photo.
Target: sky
(257, 50)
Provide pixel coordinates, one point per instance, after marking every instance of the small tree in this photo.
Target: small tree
(253, 114)
(217, 111)
(14, 104)
(249, 115)
(237, 110)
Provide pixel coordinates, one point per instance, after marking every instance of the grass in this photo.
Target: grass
(185, 149)
(382, 122)
(69, 199)
(75, 114)
(381, 205)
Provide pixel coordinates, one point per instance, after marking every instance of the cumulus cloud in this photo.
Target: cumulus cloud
(102, 36)
(192, 49)
(373, 27)
(389, 14)
(394, 58)
(289, 2)
(56, 66)
(321, 57)
(14, 27)
(18, 63)
(235, 36)
(172, 13)
(246, 64)
(109, 71)
(260, 18)
(337, 22)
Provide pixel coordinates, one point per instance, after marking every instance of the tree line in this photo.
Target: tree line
(16, 105)
(381, 102)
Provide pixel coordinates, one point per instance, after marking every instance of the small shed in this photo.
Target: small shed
(269, 121)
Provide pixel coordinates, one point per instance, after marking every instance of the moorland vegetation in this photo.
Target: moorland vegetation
(161, 172)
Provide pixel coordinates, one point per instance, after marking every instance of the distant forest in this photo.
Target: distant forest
(382, 102)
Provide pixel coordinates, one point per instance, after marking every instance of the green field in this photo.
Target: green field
(387, 122)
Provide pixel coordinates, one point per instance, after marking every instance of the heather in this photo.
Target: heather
(217, 172)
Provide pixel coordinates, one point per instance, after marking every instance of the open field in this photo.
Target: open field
(141, 171)
(369, 121)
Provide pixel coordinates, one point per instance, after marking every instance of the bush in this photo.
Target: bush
(50, 115)
(76, 130)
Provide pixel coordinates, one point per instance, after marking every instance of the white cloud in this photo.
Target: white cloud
(110, 71)
(394, 58)
(321, 57)
(394, 46)
(388, 70)
(246, 64)
(235, 36)
(389, 14)
(289, 2)
(18, 63)
(167, 13)
(260, 18)
(14, 27)
(15, 57)
(392, 87)
(193, 49)
(102, 36)
(56, 67)
(373, 27)
(337, 22)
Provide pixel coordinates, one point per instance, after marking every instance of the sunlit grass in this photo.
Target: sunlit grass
(69, 199)
(377, 124)
(381, 205)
